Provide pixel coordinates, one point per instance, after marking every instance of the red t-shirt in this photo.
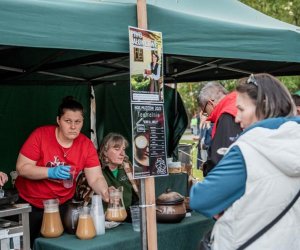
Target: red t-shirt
(42, 147)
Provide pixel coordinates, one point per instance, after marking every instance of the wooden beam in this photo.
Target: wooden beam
(149, 182)
(142, 14)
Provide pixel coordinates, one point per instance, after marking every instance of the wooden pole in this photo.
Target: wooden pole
(142, 14)
(148, 183)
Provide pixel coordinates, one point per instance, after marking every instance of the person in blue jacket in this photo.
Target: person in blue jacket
(259, 174)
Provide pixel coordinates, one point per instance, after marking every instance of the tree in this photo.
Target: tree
(189, 93)
(286, 11)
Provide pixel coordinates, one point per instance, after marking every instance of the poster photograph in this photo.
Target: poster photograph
(146, 65)
(149, 144)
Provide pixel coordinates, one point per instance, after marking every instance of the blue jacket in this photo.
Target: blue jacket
(226, 182)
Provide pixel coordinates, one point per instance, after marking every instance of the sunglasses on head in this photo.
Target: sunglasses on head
(252, 80)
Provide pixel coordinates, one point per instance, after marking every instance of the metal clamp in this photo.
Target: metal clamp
(147, 205)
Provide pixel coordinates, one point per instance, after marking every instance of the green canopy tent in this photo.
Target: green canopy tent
(203, 39)
(53, 48)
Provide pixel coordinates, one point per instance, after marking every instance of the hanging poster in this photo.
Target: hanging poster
(147, 104)
(149, 146)
(146, 65)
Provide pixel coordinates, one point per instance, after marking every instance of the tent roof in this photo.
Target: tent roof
(203, 39)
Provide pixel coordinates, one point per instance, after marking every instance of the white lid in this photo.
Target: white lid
(169, 160)
(176, 164)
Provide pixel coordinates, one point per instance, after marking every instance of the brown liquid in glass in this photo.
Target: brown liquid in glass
(116, 214)
(85, 229)
(51, 225)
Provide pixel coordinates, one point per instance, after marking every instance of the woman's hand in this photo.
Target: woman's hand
(3, 178)
(105, 195)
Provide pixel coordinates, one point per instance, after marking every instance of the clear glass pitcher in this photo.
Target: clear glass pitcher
(116, 209)
(85, 228)
(51, 225)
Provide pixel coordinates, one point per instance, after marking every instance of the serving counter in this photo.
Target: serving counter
(183, 235)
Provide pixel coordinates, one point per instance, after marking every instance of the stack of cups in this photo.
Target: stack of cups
(98, 214)
(135, 216)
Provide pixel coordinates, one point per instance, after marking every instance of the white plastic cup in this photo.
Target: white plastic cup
(98, 214)
(135, 216)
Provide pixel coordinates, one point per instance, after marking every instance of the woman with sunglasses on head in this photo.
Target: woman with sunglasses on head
(219, 105)
(49, 156)
(259, 175)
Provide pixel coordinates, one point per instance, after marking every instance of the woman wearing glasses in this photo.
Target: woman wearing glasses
(259, 175)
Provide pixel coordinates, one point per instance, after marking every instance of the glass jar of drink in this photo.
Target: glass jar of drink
(85, 228)
(116, 209)
(51, 225)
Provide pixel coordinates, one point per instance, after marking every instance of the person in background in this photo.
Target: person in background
(198, 116)
(296, 98)
(215, 101)
(3, 178)
(117, 168)
(194, 124)
(47, 158)
(153, 73)
(204, 143)
(259, 174)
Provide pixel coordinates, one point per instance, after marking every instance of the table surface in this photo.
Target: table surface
(181, 236)
(8, 210)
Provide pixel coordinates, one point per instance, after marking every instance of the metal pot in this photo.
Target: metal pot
(170, 207)
(70, 219)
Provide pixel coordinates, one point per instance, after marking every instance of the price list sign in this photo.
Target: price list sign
(149, 144)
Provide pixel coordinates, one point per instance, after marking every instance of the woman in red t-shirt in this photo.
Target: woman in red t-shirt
(53, 154)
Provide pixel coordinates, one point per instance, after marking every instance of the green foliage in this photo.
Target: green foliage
(139, 83)
(287, 11)
(189, 93)
(291, 82)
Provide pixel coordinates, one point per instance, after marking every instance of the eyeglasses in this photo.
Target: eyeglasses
(204, 108)
(252, 80)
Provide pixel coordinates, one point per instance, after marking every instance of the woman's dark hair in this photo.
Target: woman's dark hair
(69, 103)
(156, 55)
(270, 96)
